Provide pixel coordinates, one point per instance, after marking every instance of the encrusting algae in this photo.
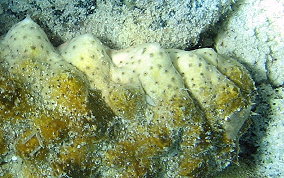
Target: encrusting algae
(86, 110)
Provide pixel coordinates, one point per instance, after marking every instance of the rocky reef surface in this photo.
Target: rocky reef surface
(84, 109)
(254, 35)
(260, 41)
(119, 23)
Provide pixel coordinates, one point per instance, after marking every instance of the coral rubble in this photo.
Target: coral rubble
(84, 109)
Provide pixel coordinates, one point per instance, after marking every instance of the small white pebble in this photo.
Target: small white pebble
(14, 158)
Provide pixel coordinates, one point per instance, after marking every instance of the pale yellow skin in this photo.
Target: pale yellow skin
(119, 111)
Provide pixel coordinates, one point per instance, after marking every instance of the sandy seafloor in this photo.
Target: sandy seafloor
(62, 20)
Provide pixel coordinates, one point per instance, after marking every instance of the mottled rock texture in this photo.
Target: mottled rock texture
(120, 23)
(254, 35)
